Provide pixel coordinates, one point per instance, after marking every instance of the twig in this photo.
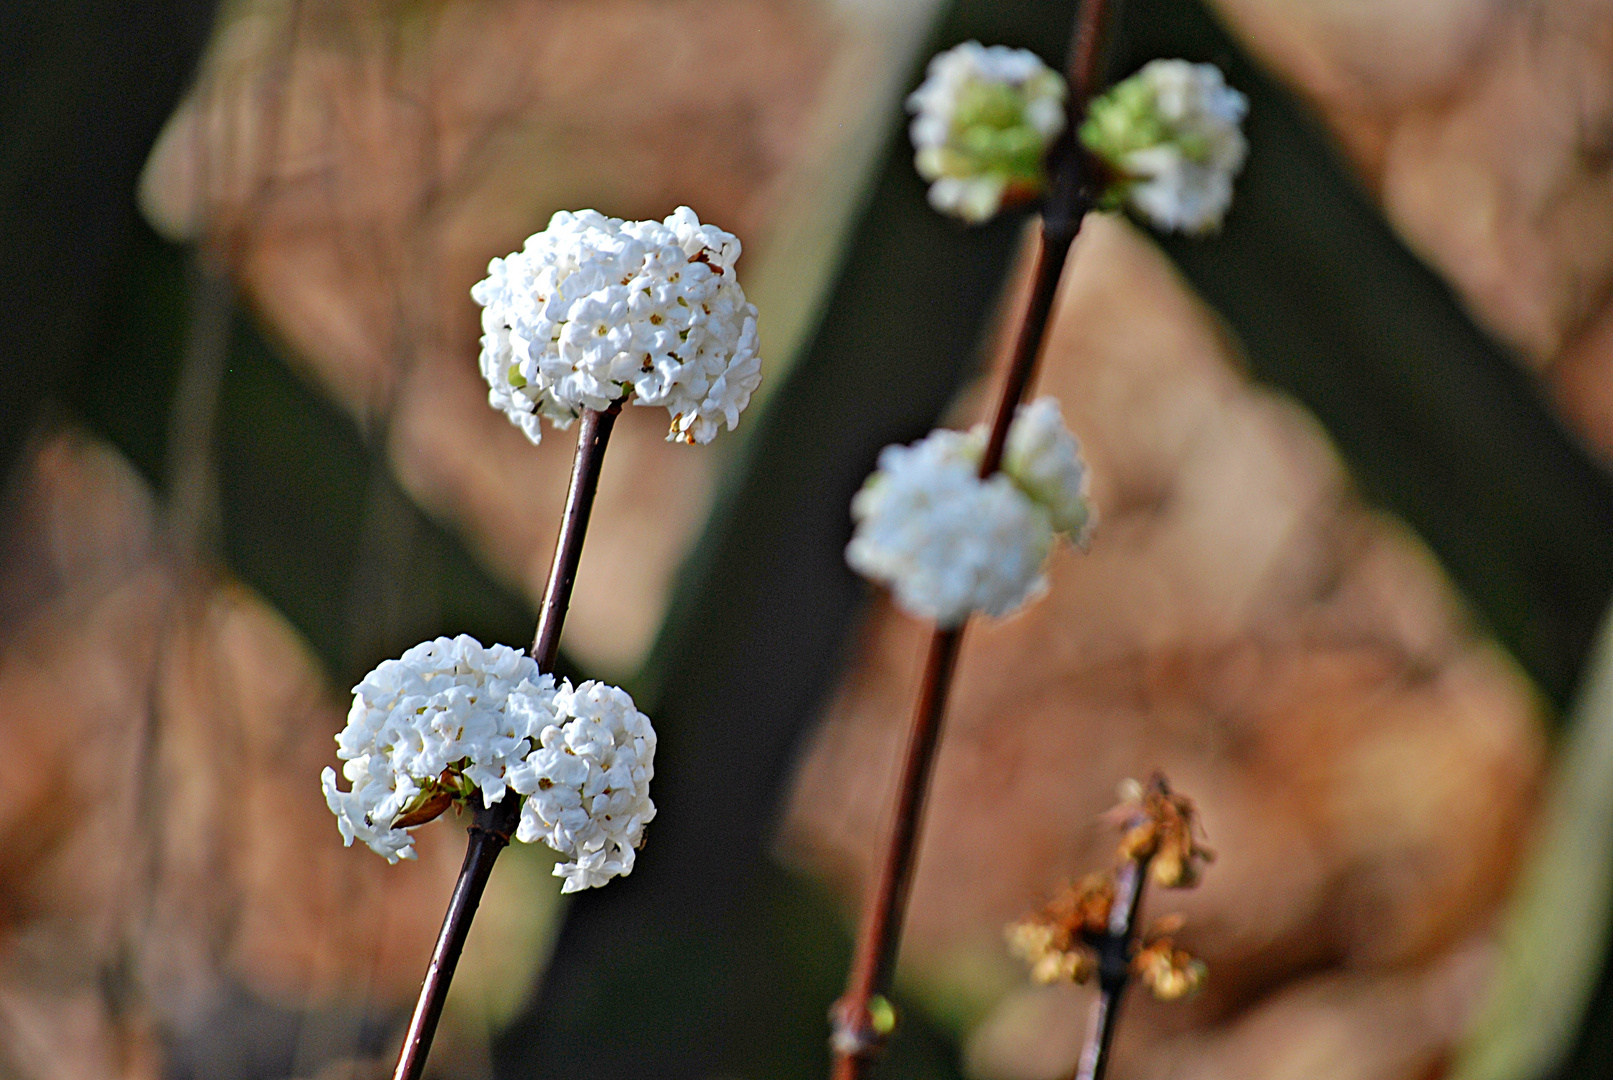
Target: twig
(492, 827)
(856, 1037)
(1114, 967)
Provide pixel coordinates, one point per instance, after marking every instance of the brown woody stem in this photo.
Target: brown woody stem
(855, 1039)
(1114, 968)
(491, 827)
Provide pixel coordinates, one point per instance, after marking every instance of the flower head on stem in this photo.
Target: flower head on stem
(950, 543)
(452, 722)
(441, 724)
(1171, 135)
(588, 784)
(594, 309)
(984, 118)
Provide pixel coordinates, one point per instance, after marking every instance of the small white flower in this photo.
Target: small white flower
(983, 120)
(948, 543)
(593, 309)
(588, 784)
(1172, 133)
(1044, 459)
(442, 723)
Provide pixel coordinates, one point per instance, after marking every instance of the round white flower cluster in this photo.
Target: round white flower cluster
(983, 120)
(1172, 133)
(1044, 459)
(949, 543)
(450, 720)
(446, 719)
(593, 309)
(588, 784)
(945, 541)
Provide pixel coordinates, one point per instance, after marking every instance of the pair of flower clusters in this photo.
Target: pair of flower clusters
(592, 311)
(451, 721)
(1159, 830)
(949, 542)
(985, 118)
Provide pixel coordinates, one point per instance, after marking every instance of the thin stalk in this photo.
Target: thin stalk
(856, 1037)
(492, 827)
(1114, 968)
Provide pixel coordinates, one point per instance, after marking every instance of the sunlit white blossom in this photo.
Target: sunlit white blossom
(1171, 133)
(1044, 459)
(594, 309)
(948, 543)
(443, 723)
(588, 783)
(983, 120)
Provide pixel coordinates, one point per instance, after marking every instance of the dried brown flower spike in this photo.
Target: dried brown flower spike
(1057, 941)
(1089, 929)
(1162, 828)
(1167, 971)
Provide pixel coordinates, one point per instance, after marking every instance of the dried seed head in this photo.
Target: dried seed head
(1050, 950)
(1162, 826)
(1055, 941)
(1167, 971)
(1085, 907)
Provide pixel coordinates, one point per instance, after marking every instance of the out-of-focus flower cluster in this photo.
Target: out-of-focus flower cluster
(1057, 941)
(588, 784)
(1171, 134)
(1061, 942)
(1162, 827)
(595, 309)
(983, 121)
(949, 543)
(1169, 972)
(450, 721)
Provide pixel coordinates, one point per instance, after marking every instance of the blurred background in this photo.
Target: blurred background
(1352, 457)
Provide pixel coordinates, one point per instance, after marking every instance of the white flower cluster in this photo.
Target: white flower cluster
(949, 543)
(588, 784)
(447, 718)
(1044, 459)
(450, 720)
(1172, 133)
(593, 309)
(983, 120)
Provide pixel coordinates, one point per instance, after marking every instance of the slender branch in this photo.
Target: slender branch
(491, 827)
(1114, 968)
(596, 428)
(856, 1037)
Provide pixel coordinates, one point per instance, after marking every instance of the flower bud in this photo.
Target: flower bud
(1171, 135)
(983, 121)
